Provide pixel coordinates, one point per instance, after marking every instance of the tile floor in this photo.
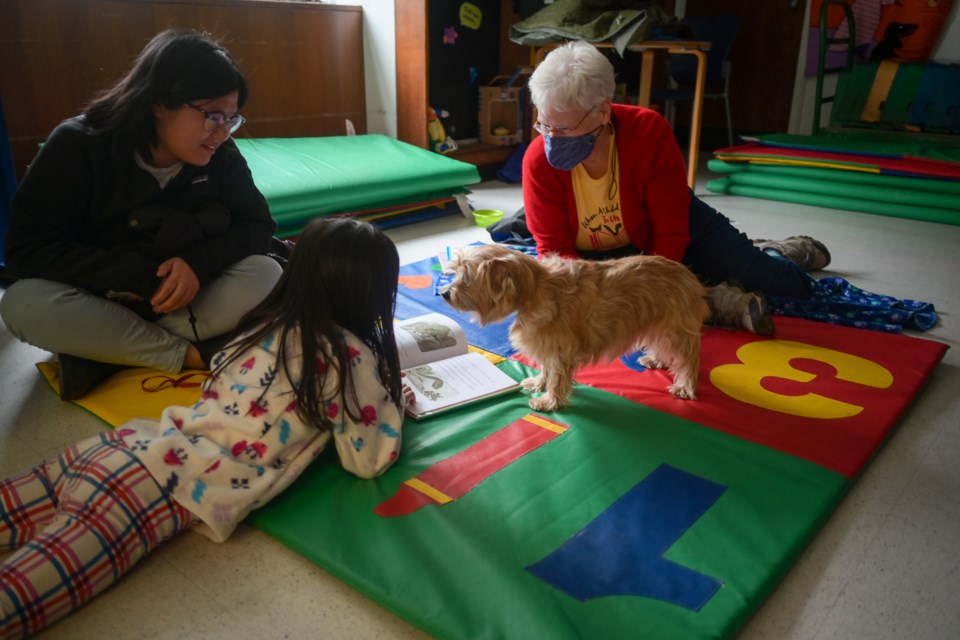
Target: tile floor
(886, 565)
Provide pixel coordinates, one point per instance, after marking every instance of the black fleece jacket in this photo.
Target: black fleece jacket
(86, 215)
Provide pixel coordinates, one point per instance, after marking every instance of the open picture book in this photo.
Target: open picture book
(441, 370)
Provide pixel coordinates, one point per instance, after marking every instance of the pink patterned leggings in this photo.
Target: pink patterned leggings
(78, 523)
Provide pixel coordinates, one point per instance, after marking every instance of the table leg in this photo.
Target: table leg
(697, 112)
(646, 77)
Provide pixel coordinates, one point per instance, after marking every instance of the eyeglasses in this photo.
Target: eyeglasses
(547, 130)
(216, 119)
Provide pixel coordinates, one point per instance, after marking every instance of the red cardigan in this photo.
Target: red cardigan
(654, 196)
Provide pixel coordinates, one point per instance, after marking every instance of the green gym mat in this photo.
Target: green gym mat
(898, 102)
(873, 143)
(302, 178)
(702, 524)
(629, 514)
(908, 177)
(920, 185)
(760, 186)
(853, 87)
(920, 198)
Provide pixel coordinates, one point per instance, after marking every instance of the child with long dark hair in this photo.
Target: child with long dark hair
(318, 362)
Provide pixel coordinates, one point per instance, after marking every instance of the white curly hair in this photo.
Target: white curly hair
(573, 77)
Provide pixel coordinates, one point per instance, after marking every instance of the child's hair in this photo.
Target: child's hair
(177, 66)
(342, 275)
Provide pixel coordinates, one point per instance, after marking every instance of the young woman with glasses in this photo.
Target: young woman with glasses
(137, 232)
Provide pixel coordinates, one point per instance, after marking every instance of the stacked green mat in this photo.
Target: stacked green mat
(926, 199)
(373, 176)
(891, 174)
(875, 145)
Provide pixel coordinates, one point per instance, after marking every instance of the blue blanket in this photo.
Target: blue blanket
(836, 301)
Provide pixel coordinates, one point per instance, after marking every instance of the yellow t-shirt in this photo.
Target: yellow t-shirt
(600, 226)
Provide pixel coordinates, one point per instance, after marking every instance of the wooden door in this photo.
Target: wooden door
(763, 63)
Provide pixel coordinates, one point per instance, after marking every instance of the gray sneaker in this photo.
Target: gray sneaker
(734, 308)
(803, 251)
(757, 318)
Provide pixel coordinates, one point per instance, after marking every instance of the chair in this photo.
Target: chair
(682, 70)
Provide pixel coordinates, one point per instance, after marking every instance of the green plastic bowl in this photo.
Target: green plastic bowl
(486, 217)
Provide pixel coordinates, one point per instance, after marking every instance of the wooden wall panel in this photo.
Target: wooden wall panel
(412, 61)
(303, 61)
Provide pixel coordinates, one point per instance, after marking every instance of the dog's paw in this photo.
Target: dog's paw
(545, 403)
(534, 384)
(682, 393)
(650, 362)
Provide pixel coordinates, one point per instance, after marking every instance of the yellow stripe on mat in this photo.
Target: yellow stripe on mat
(435, 494)
(793, 162)
(549, 425)
(882, 82)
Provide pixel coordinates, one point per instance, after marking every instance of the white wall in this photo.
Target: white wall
(947, 48)
(379, 64)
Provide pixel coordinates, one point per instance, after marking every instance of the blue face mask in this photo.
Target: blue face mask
(564, 153)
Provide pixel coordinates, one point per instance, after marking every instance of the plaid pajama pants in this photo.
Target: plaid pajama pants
(78, 523)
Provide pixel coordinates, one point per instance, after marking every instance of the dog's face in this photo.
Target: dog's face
(489, 282)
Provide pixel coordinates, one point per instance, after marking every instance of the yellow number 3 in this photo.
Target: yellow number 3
(771, 359)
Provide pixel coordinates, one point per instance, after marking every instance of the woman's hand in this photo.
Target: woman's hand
(178, 286)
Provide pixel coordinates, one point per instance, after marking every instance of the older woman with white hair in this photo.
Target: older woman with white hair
(605, 180)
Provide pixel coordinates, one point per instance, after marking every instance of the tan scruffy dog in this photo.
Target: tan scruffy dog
(574, 312)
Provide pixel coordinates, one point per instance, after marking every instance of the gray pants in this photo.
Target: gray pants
(64, 319)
